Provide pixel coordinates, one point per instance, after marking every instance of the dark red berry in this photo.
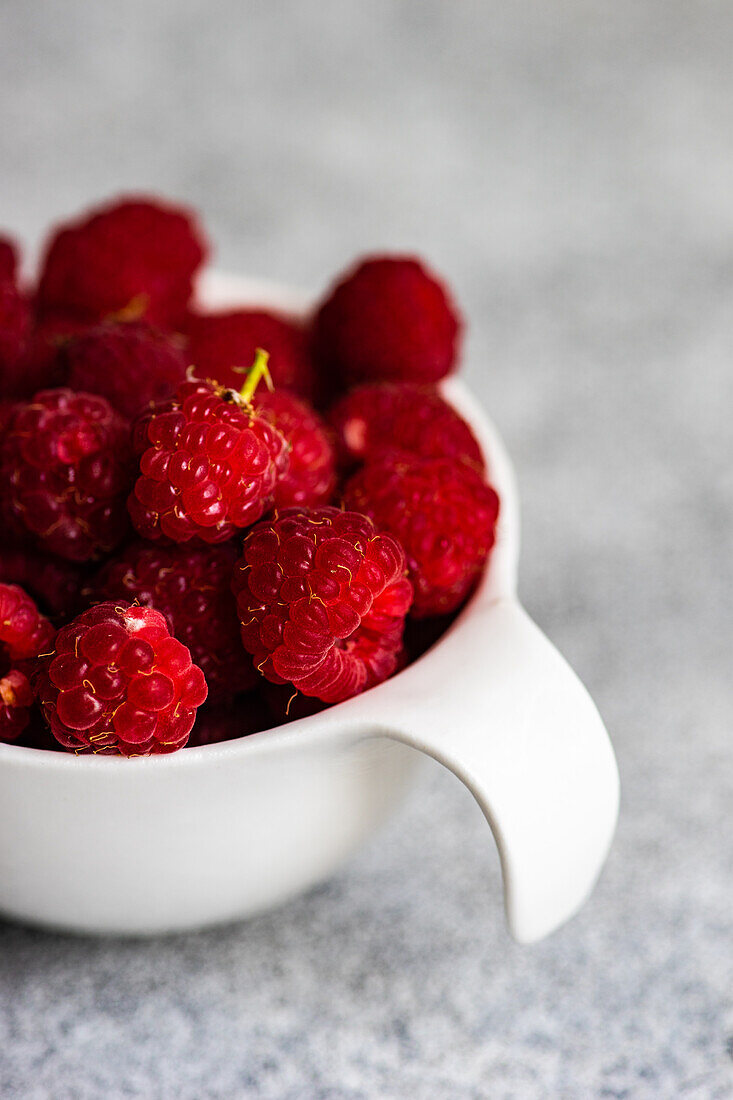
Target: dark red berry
(191, 586)
(130, 363)
(239, 717)
(133, 254)
(209, 465)
(222, 346)
(118, 683)
(443, 513)
(322, 599)
(401, 415)
(311, 476)
(388, 319)
(66, 468)
(24, 633)
(15, 333)
(8, 258)
(55, 584)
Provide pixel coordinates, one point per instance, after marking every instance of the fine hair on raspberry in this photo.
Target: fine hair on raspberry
(322, 598)
(118, 683)
(209, 465)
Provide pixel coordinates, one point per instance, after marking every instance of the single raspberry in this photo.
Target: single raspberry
(443, 513)
(322, 599)
(388, 319)
(134, 253)
(8, 258)
(222, 345)
(311, 476)
(24, 633)
(129, 363)
(15, 333)
(191, 586)
(55, 584)
(118, 683)
(400, 415)
(66, 466)
(209, 463)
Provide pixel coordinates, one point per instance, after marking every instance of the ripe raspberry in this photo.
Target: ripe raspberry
(129, 363)
(191, 586)
(133, 252)
(209, 465)
(15, 331)
(8, 258)
(222, 345)
(118, 683)
(443, 513)
(66, 465)
(322, 599)
(389, 319)
(55, 584)
(24, 633)
(401, 415)
(311, 476)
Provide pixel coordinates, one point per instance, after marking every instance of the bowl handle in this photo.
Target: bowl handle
(499, 706)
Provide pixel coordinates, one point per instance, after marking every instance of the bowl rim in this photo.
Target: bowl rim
(218, 291)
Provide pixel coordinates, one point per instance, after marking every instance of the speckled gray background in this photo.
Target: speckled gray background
(568, 165)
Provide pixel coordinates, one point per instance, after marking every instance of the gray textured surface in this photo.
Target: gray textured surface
(568, 166)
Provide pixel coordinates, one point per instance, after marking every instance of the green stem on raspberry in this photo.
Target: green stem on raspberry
(255, 374)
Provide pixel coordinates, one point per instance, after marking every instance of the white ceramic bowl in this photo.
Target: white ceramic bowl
(108, 845)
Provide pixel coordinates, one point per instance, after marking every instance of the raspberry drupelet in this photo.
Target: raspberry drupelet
(66, 464)
(118, 683)
(133, 254)
(24, 633)
(222, 345)
(130, 363)
(322, 599)
(444, 514)
(402, 415)
(209, 464)
(191, 586)
(388, 319)
(311, 476)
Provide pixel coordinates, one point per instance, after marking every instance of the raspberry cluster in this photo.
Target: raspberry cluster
(216, 522)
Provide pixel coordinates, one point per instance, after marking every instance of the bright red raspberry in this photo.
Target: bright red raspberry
(129, 363)
(66, 466)
(24, 633)
(322, 599)
(55, 584)
(191, 586)
(311, 476)
(222, 345)
(133, 253)
(8, 258)
(400, 415)
(15, 334)
(388, 319)
(118, 683)
(209, 465)
(443, 513)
